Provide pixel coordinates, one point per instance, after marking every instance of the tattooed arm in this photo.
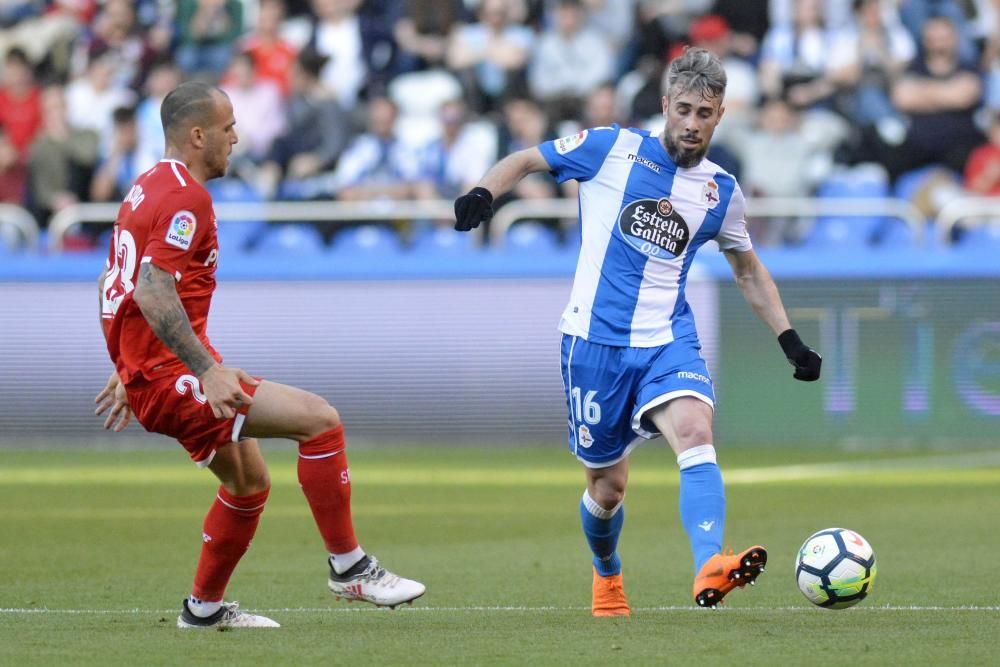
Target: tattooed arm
(157, 298)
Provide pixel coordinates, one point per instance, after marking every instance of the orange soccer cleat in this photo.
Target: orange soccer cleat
(609, 596)
(724, 572)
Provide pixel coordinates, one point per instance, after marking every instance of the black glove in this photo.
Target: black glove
(472, 208)
(805, 359)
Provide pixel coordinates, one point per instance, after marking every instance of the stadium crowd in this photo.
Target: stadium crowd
(413, 99)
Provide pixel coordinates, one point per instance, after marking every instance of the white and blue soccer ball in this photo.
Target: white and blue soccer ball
(835, 568)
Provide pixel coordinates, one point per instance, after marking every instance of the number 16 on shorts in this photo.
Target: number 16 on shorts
(586, 410)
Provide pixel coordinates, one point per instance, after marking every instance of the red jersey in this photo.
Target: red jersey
(21, 117)
(168, 221)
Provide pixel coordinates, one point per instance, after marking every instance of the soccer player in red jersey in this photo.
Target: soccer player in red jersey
(155, 294)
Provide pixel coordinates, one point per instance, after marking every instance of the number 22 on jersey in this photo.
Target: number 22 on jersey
(120, 280)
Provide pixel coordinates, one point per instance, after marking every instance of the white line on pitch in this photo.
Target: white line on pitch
(326, 610)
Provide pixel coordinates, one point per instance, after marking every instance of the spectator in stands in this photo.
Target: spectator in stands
(777, 161)
(663, 24)
(93, 98)
(940, 95)
(866, 57)
(525, 125)
(491, 55)
(119, 166)
(207, 32)
(916, 13)
(991, 63)
(601, 108)
(13, 174)
(163, 77)
(748, 22)
(61, 159)
(453, 163)
(614, 21)
(358, 41)
(422, 32)
(982, 172)
(569, 62)
(378, 165)
(794, 58)
(20, 101)
(273, 57)
(44, 31)
(260, 110)
(116, 31)
(317, 131)
(742, 89)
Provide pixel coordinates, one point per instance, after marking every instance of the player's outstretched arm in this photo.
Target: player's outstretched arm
(157, 298)
(476, 206)
(758, 288)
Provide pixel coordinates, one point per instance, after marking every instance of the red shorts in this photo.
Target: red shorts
(175, 406)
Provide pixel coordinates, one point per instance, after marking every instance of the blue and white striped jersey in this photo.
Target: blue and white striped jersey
(643, 219)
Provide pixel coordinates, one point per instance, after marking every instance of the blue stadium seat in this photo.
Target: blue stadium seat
(236, 235)
(909, 183)
(366, 239)
(442, 240)
(850, 230)
(531, 237)
(986, 234)
(295, 238)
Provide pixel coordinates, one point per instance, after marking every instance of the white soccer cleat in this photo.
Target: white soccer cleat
(370, 582)
(228, 616)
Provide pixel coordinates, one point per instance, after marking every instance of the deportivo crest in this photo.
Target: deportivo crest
(181, 230)
(585, 438)
(654, 227)
(710, 194)
(566, 144)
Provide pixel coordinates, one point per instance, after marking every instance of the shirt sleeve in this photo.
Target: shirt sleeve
(579, 156)
(733, 232)
(177, 230)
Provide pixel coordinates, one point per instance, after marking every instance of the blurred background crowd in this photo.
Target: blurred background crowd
(396, 100)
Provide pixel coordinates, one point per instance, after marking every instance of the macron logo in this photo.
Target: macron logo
(706, 525)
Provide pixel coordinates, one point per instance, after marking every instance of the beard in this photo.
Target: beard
(685, 158)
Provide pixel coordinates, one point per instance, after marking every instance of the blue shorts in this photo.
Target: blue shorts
(609, 390)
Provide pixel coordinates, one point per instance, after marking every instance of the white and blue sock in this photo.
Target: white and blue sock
(602, 528)
(702, 502)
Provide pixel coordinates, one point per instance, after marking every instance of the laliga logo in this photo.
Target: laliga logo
(184, 224)
(181, 231)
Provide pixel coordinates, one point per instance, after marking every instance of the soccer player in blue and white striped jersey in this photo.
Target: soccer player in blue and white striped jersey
(631, 364)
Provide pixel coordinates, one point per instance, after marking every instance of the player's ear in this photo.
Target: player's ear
(197, 137)
(722, 111)
(665, 103)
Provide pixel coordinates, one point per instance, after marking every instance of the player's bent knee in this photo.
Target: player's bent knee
(693, 434)
(609, 497)
(323, 418)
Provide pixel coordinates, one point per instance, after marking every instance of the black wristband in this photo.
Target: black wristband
(482, 192)
(790, 342)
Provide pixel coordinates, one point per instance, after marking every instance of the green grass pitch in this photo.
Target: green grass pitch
(98, 548)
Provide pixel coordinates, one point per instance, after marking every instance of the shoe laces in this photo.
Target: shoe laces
(375, 573)
(232, 611)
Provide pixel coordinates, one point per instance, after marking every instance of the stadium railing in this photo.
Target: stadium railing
(278, 211)
(759, 207)
(441, 209)
(22, 221)
(957, 211)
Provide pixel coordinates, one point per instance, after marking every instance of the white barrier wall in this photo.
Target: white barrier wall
(404, 361)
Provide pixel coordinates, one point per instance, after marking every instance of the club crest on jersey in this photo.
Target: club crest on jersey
(654, 227)
(585, 438)
(710, 194)
(181, 229)
(572, 142)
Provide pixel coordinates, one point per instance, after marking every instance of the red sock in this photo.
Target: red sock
(229, 527)
(326, 484)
